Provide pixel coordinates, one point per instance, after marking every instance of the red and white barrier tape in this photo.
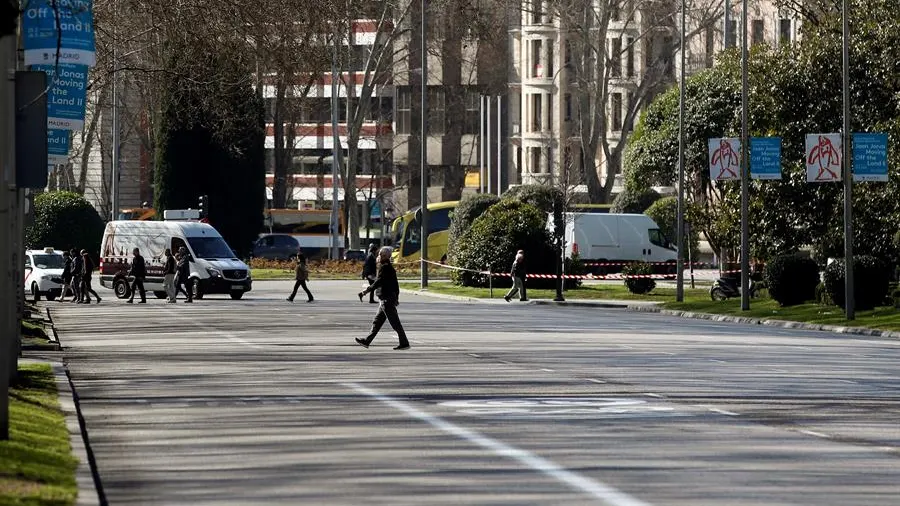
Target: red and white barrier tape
(553, 276)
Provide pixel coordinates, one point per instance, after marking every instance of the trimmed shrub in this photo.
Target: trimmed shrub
(639, 285)
(537, 195)
(493, 239)
(466, 212)
(64, 220)
(870, 282)
(792, 279)
(634, 202)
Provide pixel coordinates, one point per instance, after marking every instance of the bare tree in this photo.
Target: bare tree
(600, 36)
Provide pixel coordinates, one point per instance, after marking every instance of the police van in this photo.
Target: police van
(215, 269)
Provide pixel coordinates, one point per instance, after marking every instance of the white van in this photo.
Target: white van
(214, 269)
(616, 238)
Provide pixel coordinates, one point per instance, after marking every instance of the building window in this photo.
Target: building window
(731, 38)
(784, 31)
(436, 111)
(536, 112)
(615, 12)
(568, 107)
(615, 113)
(537, 70)
(757, 32)
(536, 11)
(550, 56)
(473, 112)
(629, 58)
(535, 162)
(404, 110)
(615, 57)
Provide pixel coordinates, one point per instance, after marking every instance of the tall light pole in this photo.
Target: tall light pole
(745, 169)
(114, 162)
(424, 156)
(850, 303)
(679, 283)
(335, 150)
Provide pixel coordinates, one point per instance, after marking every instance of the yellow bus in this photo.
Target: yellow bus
(407, 230)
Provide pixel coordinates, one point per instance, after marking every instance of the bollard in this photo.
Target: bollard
(491, 282)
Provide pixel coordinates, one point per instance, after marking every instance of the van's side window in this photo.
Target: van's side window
(657, 238)
(177, 243)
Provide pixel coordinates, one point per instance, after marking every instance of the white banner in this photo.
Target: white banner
(823, 158)
(725, 159)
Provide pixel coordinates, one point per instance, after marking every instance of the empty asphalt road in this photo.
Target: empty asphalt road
(260, 401)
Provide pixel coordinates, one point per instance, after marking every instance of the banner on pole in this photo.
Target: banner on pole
(765, 158)
(66, 96)
(57, 147)
(58, 31)
(870, 161)
(725, 159)
(823, 158)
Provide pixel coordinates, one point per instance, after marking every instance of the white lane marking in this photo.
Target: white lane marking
(473, 355)
(848, 381)
(648, 394)
(548, 370)
(814, 433)
(227, 335)
(723, 412)
(599, 490)
(592, 380)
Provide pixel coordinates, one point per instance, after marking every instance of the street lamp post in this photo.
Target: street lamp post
(745, 169)
(424, 157)
(679, 286)
(848, 181)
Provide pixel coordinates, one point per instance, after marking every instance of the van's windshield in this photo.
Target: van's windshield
(210, 247)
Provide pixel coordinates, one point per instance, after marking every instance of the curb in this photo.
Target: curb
(607, 304)
(84, 477)
(786, 324)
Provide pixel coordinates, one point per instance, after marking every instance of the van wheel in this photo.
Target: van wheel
(198, 292)
(160, 295)
(236, 295)
(35, 293)
(121, 289)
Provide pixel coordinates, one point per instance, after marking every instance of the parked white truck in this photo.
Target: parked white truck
(616, 238)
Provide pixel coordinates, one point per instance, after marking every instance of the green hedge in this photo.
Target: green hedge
(792, 279)
(466, 212)
(634, 202)
(64, 220)
(870, 282)
(493, 239)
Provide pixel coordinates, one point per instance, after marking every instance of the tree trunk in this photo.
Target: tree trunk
(351, 213)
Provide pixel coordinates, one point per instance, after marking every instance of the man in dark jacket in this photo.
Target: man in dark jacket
(387, 289)
(183, 280)
(139, 272)
(169, 276)
(66, 276)
(87, 270)
(370, 269)
(77, 271)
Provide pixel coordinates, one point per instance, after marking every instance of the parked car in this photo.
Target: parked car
(355, 254)
(43, 273)
(276, 247)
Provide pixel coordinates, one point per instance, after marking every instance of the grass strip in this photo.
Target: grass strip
(602, 291)
(36, 463)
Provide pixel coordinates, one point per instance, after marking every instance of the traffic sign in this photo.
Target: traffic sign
(823, 158)
(58, 31)
(725, 159)
(66, 96)
(870, 157)
(765, 158)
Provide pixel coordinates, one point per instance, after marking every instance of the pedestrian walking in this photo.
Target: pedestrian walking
(301, 275)
(387, 289)
(183, 282)
(169, 276)
(66, 276)
(77, 271)
(138, 272)
(87, 266)
(518, 274)
(370, 269)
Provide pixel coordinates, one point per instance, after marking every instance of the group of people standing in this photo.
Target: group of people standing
(78, 269)
(176, 276)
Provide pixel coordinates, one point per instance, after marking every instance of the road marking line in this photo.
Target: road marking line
(548, 370)
(648, 394)
(596, 381)
(723, 412)
(473, 355)
(599, 490)
(814, 433)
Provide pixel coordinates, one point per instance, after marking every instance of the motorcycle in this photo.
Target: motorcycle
(729, 287)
